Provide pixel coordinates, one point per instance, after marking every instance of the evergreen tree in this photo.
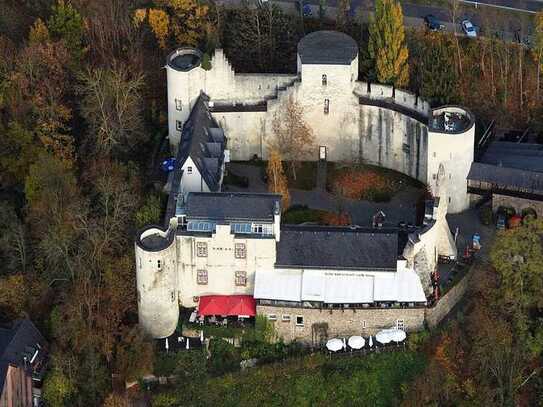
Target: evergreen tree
(66, 24)
(387, 46)
(277, 181)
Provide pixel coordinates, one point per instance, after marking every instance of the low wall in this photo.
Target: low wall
(319, 324)
(446, 303)
(517, 203)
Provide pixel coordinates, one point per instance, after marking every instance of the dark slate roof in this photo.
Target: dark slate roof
(506, 178)
(222, 206)
(337, 247)
(523, 156)
(203, 140)
(327, 48)
(16, 342)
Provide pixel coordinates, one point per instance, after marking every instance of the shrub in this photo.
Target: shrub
(206, 62)
(224, 357)
(361, 184)
(485, 215)
(150, 212)
(297, 215)
(506, 211)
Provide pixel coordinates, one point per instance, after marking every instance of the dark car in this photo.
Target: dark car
(433, 23)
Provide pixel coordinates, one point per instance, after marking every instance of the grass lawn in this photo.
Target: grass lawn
(374, 380)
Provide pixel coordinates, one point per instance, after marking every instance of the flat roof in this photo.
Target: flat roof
(523, 156)
(221, 206)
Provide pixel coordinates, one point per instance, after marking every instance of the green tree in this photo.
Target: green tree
(57, 389)
(386, 44)
(150, 212)
(66, 24)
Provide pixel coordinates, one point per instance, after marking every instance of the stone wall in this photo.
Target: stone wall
(318, 324)
(518, 203)
(446, 303)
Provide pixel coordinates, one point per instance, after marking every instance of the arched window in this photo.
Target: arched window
(324, 80)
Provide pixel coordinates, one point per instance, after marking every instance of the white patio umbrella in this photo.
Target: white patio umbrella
(344, 344)
(370, 342)
(334, 344)
(397, 335)
(188, 344)
(356, 342)
(383, 337)
(202, 336)
(167, 345)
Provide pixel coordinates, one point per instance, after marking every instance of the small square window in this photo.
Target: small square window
(173, 296)
(241, 278)
(178, 104)
(159, 265)
(326, 106)
(257, 228)
(434, 176)
(239, 251)
(324, 80)
(364, 324)
(285, 318)
(201, 249)
(189, 170)
(178, 125)
(272, 317)
(299, 320)
(201, 277)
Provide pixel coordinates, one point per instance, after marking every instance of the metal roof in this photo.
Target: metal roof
(507, 178)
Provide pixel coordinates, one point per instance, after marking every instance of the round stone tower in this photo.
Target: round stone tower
(156, 275)
(185, 79)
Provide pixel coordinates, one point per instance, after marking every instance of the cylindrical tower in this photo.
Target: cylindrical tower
(158, 307)
(186, 79)
(451, 138)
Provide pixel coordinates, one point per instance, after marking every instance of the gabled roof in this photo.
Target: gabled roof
(17, 342)
(203, 141)
(337, 248)
(225, 206)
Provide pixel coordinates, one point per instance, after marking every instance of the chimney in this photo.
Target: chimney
(277, 220)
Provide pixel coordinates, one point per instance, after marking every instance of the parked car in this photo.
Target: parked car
(469, 29)
(433, 23)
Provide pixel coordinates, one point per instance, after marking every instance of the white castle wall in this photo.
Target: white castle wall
(158, 308)
(220, 263)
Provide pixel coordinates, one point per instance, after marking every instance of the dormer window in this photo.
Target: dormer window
(324, 80)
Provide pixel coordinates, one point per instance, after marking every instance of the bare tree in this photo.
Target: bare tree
(294, 138)
(454, 11)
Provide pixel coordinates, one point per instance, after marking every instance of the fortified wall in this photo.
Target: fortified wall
(356, 121)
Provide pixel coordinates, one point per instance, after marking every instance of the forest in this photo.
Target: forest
(82, 124)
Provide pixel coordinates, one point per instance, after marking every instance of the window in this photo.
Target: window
(364, 324)
(326, 106)
(263, 229)
(173, 296)
(159, 264)
(194, 226)
(201, 249)
(178, 104)
(450, 175)
(449, 199)
(285, 318)
(299, 320)
(400, 324)
(434, 176)
(201, 277)
(434, 154)
(189, 170)
(178, 125)
(240, 228)
(324, 80)
(272, 317)
(257, 228)
(241, 278)
(239, 251)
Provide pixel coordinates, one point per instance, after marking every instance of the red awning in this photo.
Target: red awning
(231, 305)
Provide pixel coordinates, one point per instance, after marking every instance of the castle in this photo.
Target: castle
(217, 244)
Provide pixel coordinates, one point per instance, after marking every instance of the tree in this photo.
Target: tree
(134, 357)
(277, 181)
(160, 23)
(150, 212)
(111, 105)
(13, 240)
(538, 47)
(188, 20)
(386, 44)
(39, 34)
(66, 24)
(342, 14)
(57, 389)
(293, 138)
